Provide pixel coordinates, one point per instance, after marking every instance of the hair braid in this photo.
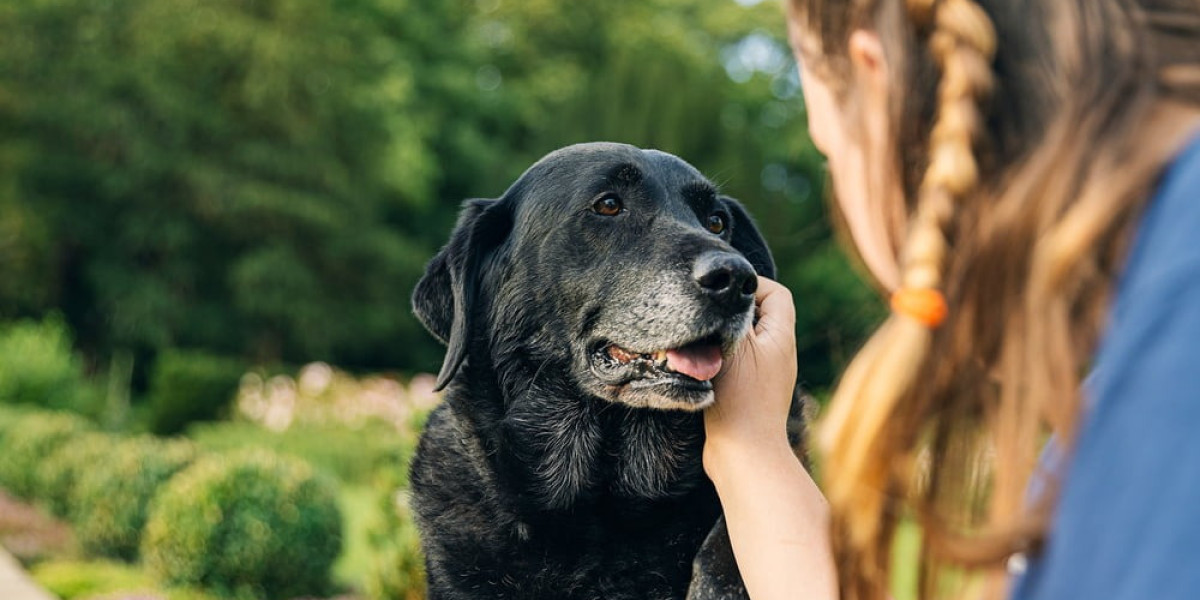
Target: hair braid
(861, 485)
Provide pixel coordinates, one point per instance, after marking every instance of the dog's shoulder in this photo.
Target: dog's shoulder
(451, 465)
(715, 573)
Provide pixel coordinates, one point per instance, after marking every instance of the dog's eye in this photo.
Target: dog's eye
(716, 223)
(608, 205)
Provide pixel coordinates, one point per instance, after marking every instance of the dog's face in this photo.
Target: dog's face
(622, 266)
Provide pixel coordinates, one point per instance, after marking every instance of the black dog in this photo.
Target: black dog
(586, 312)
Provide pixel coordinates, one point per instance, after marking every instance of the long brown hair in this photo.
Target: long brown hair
(1028, 136)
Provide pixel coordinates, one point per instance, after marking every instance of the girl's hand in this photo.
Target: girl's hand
(755, 389)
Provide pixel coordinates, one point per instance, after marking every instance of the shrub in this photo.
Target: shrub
(110, 502)
(61, 470)
(28, 441)
(189, 386)
(11, 418)
(253, 523)
(37, 368)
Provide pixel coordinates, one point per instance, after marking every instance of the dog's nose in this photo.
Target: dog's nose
(725, 277)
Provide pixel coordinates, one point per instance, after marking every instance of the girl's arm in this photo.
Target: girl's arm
(778, 521)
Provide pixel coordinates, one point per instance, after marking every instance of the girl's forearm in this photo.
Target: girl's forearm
(778, 522)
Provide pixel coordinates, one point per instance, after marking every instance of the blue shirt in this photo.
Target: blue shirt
(1127, 526)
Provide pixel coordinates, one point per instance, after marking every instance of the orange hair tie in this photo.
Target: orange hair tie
(926, 306)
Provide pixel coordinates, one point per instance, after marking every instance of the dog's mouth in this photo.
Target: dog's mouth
(698, 361)
(682, 373)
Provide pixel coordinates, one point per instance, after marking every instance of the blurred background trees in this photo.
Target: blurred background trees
(263, 180)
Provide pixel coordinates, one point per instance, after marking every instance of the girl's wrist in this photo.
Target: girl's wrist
(725, 457)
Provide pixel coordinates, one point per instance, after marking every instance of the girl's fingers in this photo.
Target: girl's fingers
(776, 312)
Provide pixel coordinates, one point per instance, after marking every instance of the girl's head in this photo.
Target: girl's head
(997, 151)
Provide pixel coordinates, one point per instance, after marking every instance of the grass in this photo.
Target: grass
(905, 560)
(358, 504)
(70, 579)
(354, 456)
(77, 579)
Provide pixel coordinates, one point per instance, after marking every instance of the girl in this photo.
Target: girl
(1023, 178)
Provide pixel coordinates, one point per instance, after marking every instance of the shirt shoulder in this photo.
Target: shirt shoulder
(1168, 238)
(1126, 524)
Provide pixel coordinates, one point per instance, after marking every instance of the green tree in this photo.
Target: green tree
(266, 178)
(218, 174)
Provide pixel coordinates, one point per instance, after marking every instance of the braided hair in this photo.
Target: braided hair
(962, 44)
(1024, 162)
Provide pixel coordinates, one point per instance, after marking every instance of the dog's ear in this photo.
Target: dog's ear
(747, 240)
(445, 296)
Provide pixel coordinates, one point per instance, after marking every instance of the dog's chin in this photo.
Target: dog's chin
(673, 392)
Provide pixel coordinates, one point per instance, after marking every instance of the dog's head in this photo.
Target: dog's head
(624, 267)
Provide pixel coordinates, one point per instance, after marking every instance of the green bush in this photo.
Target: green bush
(253, 523)
(11, 418)
(110, 502)
(37, 368)
(190, 386)
(61, 470)
(28, 441)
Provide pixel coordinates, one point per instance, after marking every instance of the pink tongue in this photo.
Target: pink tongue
(698, 362)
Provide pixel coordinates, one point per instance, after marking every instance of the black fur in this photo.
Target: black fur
(549, 472)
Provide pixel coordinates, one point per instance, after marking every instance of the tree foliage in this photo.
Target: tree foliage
(266, 178)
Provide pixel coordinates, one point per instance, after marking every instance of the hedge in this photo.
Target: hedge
(27, 439)
(251, 522)
(110, 501)
(189, 386)
(59, 473)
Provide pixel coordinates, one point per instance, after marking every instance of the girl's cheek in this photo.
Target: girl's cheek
(818, 102)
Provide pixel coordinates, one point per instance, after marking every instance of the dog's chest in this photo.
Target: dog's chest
(594, 556)
(558, 454)
(620, 533)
